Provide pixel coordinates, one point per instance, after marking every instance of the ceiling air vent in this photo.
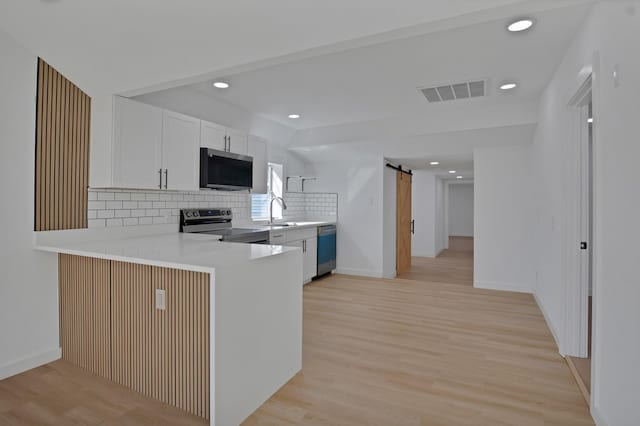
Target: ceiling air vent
(452, 92)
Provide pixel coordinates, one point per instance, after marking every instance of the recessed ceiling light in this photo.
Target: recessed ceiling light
(590, 120)
(520, 25)
(452, 171)
(294, 115)
(434, 163)
(508, 86)
(458, 177)
(220, 85)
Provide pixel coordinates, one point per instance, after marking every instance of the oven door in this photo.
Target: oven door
(225, 170)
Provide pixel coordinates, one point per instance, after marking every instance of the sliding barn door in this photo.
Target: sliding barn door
(403, 223)
(63, 113)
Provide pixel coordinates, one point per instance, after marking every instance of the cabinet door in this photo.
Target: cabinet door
(237, 142)
(258, 150)
(310, 257)
(212, 136)
(137, 144)
(180, 151)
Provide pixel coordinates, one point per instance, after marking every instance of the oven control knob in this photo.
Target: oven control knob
(229, 212)
(187, 214)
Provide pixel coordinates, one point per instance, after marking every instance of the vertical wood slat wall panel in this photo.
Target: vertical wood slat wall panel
(85, 324)
(63, 116)
(109, 325)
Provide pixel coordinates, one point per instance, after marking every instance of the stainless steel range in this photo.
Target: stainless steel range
(219, 222)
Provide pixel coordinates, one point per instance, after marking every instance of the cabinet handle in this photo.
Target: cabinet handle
(226, 143)
(413, 226)
(229, 150)
(304, 246)
(166, 178)
(160, 174)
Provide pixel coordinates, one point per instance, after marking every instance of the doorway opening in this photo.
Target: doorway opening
(581, 300)
(459, 217)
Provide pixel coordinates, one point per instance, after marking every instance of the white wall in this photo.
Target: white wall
(423, 243)
(389, 204)
(359, 187)
(28, 287)
(460, 210)
(502, 216)
(606, 43)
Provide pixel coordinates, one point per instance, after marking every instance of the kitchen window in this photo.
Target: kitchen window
(275, 188)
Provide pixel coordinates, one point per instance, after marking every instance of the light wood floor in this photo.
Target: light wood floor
(424, 349)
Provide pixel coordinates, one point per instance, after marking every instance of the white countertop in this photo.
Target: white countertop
(194, 252)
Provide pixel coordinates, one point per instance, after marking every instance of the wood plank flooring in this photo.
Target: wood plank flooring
(424, 349)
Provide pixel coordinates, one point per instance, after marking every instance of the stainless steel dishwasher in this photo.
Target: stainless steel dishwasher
(326, 249)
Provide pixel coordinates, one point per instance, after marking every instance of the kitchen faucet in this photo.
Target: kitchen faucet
(282, 203)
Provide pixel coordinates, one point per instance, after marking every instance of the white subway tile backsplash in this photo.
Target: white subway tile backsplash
(105, 214)
(114, 222)
(113, 205)
(145, 221)
(140, 207)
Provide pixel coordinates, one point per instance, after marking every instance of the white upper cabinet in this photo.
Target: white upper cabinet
(213, 136)
(160, 149)
(258, 150)
(137, 145)
(236, 142)
(180, 151)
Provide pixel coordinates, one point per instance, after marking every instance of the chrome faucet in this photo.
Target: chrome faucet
(282, 203)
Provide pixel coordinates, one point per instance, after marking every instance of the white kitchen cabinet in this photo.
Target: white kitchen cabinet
(258, 150)
(307, 240)
(137, 148)
(213, 136)
(180, 151)
(310, 256)
(236, 142)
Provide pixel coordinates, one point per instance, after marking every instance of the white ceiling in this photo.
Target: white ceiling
(121, 45)
(380, 81)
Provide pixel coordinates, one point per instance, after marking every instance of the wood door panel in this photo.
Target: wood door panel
(403, 222)
(63, 115)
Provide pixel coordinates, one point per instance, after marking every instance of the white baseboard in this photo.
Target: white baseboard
(547, 319)
(493, 285)
(24, 364)
(597, 416)
(360, 272)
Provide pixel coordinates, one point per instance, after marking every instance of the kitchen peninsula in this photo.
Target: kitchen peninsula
(214, 328)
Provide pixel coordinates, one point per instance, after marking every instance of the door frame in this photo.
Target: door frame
(576, 260)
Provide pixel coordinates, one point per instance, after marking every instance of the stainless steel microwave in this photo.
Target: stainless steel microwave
(225, 170)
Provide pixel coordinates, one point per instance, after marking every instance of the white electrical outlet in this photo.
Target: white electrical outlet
(161, 299)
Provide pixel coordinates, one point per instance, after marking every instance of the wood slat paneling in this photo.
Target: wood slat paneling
(63, 116)
(110, 326)
(85, 326)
